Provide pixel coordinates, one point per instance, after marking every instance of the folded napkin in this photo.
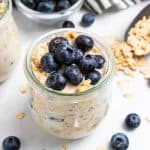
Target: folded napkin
(100, 6)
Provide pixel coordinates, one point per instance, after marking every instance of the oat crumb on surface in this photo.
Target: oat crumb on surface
(101, 147)
(23, 89)
(127, 94)
(20, 115)
(147, 118)
(145, 70)
(64, 147)
(121, 82)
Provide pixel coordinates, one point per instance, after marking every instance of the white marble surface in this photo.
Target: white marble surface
(33, 138)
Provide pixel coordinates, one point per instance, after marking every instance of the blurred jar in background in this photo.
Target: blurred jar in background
(10, 44)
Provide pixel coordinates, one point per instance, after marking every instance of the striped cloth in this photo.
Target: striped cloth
(100, 6)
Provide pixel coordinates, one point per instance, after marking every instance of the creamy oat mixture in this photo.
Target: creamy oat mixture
(68, 117)
(9, 44)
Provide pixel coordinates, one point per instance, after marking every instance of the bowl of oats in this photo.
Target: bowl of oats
(69, 72)
(10, 45)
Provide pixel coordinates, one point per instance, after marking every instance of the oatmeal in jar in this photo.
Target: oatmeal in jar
(9, 40)
(69, 73)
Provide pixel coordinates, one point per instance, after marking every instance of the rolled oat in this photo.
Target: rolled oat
(145, 70)
(64, 147)
(20, 115)
(126, 61)
(23, 89)
(139, 37)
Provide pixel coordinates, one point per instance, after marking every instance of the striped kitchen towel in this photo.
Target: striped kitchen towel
(100, 6)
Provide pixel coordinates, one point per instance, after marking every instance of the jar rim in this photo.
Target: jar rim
(30, 75)
(7, 11)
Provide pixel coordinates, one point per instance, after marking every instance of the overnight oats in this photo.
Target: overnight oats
(69, 72)
(9, 40)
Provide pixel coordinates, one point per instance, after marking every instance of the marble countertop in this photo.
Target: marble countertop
(33, 138)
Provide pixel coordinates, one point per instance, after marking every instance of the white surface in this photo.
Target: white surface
(33, 138)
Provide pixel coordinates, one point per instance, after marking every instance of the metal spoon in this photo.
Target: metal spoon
(144, 12)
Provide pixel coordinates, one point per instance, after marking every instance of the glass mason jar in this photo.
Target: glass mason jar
(9, 42)
(69, 116)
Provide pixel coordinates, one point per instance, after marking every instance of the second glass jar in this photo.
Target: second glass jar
(10, 45)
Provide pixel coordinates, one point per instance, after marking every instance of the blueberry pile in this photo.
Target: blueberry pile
(49, 6)
(68, 63)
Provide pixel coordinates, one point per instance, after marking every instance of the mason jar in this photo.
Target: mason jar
(69, 115)
(10, 46)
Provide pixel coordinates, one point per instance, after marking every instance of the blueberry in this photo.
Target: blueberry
(94, 76)
(56, 81)
(65, 55)
(62, 5)
(13, 2)
(78, 55)
(87, 63)
(38, 1)
(133, 121)
(29, 3)
(100, 61)
(73, 74)
(11, 143)
(87, 20)
(46, 6)
(72, 1)
(57, 42)
(84, 43)
(68, 24)
(119, 141)
(48, 63)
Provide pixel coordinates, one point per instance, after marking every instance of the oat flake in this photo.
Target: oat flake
(20, 115)
(64, 147)
(100, 148)
(145, 70)
(23, 89)
(127, 94)
(147, 118)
